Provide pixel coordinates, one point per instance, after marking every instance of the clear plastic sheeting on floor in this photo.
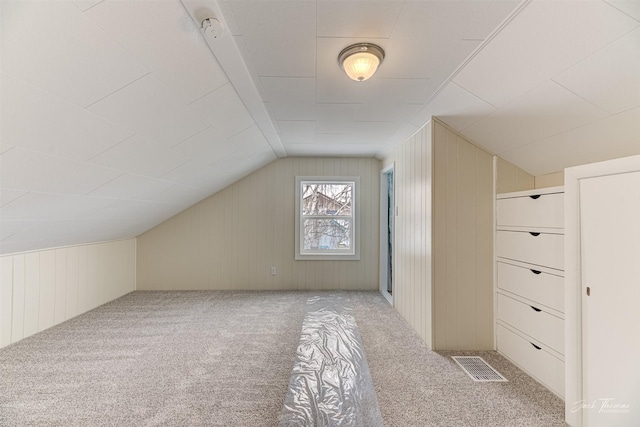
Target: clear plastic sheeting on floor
(330, 383)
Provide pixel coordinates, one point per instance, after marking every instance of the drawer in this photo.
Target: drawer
(538, 363)
(535, 248)
(543, 288)
(533, 321)
(545, 210)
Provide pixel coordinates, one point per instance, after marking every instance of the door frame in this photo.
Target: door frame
(384, 237)
(573, 275)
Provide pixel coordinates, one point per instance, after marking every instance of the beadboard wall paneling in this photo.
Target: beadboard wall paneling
(511, 178)
(233, 238)
(412, 284)
(443, 283)
(44, 288)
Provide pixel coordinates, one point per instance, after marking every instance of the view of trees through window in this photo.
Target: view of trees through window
(327, 215)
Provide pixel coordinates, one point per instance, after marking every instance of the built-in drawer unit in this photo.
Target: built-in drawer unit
(544, 249)
(533, 321)
(534, 210)
(536, 285)
(533, 358)
(530, 283)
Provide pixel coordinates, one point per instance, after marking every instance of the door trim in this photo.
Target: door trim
(384, 240)
(573, 275)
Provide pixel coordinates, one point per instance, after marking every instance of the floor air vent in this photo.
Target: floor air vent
(478, 369)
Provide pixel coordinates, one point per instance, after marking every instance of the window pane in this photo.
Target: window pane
(327, 234)
(326, 199)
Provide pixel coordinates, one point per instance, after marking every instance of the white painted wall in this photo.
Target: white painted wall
(233, 238)
(44, 288)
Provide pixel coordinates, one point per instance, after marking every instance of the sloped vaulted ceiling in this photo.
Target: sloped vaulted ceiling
(115, 115)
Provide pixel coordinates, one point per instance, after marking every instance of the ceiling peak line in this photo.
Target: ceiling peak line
(226, 51)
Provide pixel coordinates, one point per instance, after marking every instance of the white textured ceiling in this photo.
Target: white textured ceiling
(115, 115)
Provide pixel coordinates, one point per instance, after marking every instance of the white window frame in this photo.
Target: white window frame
(352, 254)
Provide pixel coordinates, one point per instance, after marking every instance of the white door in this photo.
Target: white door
(610, 245)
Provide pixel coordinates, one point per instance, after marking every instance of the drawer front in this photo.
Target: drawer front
(547, 210)
(542, 249)
(543, 288)
(543, 366)
(533, 321)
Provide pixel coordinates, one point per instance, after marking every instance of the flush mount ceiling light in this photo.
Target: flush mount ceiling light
(361, 60)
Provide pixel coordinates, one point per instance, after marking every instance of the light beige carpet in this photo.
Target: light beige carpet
(225, 359)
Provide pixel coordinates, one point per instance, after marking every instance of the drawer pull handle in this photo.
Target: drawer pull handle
(534, 234)
(535, 196)
(535, 346)
(535, 271)
(535, 309)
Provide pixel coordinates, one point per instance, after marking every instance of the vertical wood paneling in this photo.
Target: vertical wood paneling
(247, 250)
(43, 288)
(512, 178)
(443, 269)
(93, 276)
(484, 257)
(31, 293)
(427, 228)
(115, 265)
(451, 240)
(288, 271)
(412, 292)
(6, 299)
(17, 320)
(61, 286)
(411, 223)
(464, 308)
(466, 246)
(73, 270)
(439, 236)
(46, 316)
(248, 227)
(549, 180)
(421, 235)
(82, 278)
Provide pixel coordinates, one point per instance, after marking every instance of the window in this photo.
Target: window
(327, 226)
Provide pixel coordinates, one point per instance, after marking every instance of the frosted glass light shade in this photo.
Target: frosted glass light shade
(361, 66)
(360, 61)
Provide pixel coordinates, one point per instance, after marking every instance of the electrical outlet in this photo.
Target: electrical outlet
(273, 271)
